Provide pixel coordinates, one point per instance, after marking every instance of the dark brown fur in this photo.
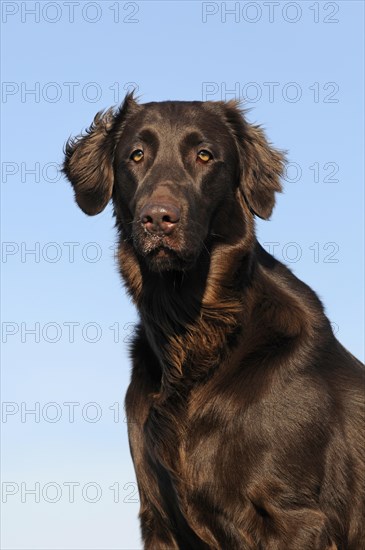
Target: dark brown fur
(245, 413)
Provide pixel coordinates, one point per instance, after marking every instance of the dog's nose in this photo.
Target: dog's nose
(160, 218)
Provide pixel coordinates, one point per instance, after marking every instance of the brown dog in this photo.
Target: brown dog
(245, 413)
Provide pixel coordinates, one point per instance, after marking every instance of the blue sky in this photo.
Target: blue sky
(66, 320)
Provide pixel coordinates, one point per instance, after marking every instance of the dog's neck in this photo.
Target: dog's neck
(177, 308)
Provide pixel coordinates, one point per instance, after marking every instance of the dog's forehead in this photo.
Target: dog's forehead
(173, 110)
(176, 116)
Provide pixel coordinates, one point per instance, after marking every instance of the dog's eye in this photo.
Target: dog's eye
(204, 155)
(137, 155)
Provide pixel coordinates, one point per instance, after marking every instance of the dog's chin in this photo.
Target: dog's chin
(162, 259)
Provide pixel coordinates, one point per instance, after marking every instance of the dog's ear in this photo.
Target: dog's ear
(88, 160)
(261, 164)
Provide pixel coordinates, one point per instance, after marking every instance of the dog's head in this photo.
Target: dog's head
(175, 171)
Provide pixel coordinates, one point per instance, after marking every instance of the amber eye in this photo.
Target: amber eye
(204, 155)
(137, 155)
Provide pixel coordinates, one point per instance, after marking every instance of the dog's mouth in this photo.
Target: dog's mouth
(161, 252)
(164, 252)
(155, 244)
(162, 255)
(165, 258)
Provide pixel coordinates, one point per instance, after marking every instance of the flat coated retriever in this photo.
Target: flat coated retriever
(245, 414)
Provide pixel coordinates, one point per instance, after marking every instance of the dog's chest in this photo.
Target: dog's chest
(164, 431)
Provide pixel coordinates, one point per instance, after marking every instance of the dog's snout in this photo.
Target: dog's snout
(160, 217)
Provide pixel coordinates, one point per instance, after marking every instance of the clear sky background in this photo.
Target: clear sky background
(67, 476)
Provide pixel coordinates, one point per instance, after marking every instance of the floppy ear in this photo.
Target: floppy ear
(88, 160)
(262, 165)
